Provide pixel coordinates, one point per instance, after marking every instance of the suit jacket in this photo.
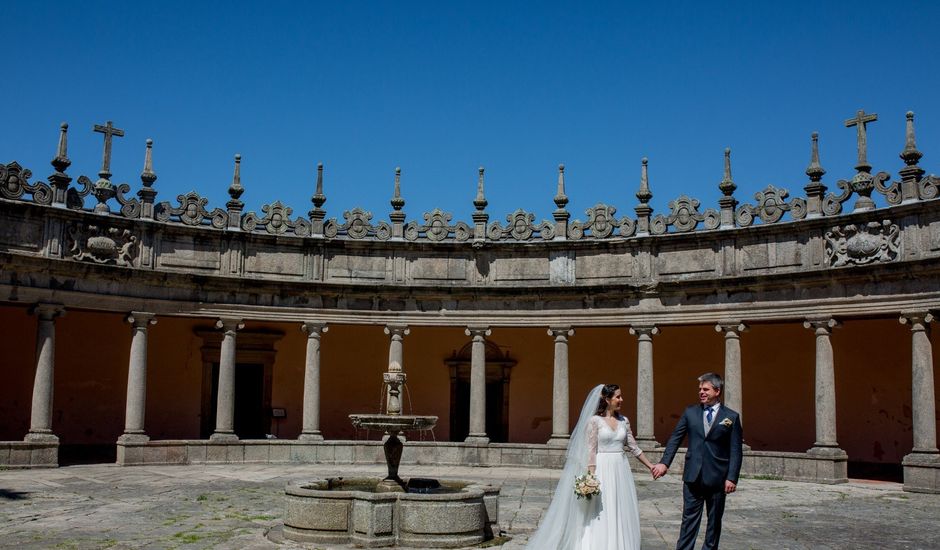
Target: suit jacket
(714, 457)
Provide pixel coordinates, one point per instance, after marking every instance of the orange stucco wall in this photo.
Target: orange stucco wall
(872, 357)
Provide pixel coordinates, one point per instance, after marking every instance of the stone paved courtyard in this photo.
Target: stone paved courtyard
(235, 506)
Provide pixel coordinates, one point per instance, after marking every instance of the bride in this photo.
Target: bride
(611, 520)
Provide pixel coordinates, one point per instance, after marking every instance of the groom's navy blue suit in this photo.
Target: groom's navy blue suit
(711, 459)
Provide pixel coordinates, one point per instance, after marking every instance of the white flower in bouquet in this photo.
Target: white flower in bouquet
(587, 486)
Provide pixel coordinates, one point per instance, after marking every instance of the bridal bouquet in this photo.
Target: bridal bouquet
(587, 486)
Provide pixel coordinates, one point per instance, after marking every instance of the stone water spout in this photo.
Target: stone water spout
(393, 422)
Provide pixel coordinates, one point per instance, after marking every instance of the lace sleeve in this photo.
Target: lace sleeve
(592, 442)
(630, 443)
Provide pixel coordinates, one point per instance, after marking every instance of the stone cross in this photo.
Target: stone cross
(108, 130)
(860, 120)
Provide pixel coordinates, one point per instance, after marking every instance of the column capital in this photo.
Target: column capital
(397, 330)
(229, 324)
(642, 331)
(561, 333)
(731, 327)
(314, 329)
(822, 325)
(140, 319)
(917, 319)
(47, 312)
(478, 331)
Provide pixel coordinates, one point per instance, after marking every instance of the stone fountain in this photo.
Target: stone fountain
(419, 512)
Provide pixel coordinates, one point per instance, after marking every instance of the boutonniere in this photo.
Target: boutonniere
(727, 422)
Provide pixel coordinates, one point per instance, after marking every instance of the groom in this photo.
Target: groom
(712, 461)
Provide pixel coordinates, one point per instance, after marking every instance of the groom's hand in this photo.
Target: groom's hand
(730, 487)
(659, 470)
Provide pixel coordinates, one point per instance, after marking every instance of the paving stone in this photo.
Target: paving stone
(235, 505)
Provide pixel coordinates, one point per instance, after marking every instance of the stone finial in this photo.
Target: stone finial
(109, 132)
(815, 171)
(910, 155)
(561, 199)
(861, 121)
(644, 194)
(235, 190)
(727, 184)
(148, 176)
(61, 160)
(397, 202)
(480, 202)
(318, 198)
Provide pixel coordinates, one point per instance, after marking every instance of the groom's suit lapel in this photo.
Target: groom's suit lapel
(722, 414)
(695, 419)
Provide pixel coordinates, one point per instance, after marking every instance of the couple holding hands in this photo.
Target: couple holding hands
(611, 520)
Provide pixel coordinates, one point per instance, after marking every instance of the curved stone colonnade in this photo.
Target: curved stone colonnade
(816, 268)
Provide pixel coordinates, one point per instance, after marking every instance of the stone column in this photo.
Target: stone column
(137, 378)
(645, 434)
(311, 418)
(733, 393)
(40, 419)
(826, 441)
(478, 384)
(225, 401)
(922, 399)
(560, 425)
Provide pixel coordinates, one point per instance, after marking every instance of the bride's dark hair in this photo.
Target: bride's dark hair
(607, 392)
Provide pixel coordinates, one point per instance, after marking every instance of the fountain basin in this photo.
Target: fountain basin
(392, 423)
(349, 511)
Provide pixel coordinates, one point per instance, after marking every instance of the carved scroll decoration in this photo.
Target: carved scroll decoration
(437, 227)
(521, 226)
(100, 245)
(276, 221)
(601, 224)
(927, 187)
(14, 183)
(191, 211)
(357, 225)
(771, 205)
(684, 217)
(862, 244)
(130, 208)
(75, 198)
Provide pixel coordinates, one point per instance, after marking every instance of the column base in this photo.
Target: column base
(559, 440)
(312, 437)
(922, 472)
(41, 437)
(134, 438)
(477, 439)
(648, 443)
(827, 451)
(223, 437)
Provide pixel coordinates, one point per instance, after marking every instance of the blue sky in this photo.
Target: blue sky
(441, 88)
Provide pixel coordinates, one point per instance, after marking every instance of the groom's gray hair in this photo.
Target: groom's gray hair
(712, 379)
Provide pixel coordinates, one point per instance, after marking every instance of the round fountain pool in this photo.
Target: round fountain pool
(430, 514)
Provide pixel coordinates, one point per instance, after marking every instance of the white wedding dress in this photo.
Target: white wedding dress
(613, 519)
(610, 521)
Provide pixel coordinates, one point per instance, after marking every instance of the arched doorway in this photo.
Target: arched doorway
(498, 370)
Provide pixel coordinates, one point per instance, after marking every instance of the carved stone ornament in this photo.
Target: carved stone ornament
(276, 221)
(771, 205)
(874, 242)
(520, 225)
(601, 224)
(191, 211)
(684, 217)
(102, 245)
(357, 226)
(437, 227)
(14, 182)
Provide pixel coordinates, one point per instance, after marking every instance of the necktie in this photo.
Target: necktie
(708, 417)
